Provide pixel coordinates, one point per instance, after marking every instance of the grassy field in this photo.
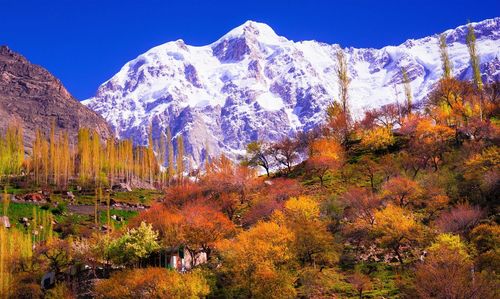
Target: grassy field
(17, 211)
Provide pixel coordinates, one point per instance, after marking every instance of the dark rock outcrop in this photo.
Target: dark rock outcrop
(33, 97)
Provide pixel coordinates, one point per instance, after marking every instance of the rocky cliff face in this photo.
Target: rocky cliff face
(32, 96)
(253, 84)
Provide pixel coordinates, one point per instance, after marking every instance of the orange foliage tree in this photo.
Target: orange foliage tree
(258, 263)
(153, 283)
(202, 227)
(402, 191)
(325, 155)
(448, 272)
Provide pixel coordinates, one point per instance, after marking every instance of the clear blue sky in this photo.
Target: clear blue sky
(85, 42)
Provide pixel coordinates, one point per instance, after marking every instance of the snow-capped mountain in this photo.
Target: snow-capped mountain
(253, 84)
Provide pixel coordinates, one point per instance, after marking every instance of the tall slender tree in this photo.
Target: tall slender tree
(96, 157)
(342, 119)
(474, 63)
(52, 152)
(180, 157)
(84, 154)
(162, 150)
(445, 57)
(408, 91)
(474, 57)
(343, 80)
(170, 149)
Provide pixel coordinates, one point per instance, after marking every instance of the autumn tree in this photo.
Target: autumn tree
(474, 57)
(56, 254)
(407, 90)
(150, 156)
(339, 116)
(153, 283)
(96, 158)
(387, 116)
(360, 282)
(313, 243)
(432, 200)
(202, 227)
(271, 198)
(53, 161)
(448, 272)
(170, 154)
(401, 191)
(445, 58)
(371, 169)
(11, 150)
(429, 141)
(227, 184)
(14, 245)
(486, 240)
(259, 155)
(361, 204)
(324, 155)
(180, 158)
(166, 220)
(85, 155)
(161, 149)
(285, 153)
(481, 175)
(343, 79)
(109, 160)
(378, 138)
(258, 263)
(396, 228)
(5, 201)
(460, 219)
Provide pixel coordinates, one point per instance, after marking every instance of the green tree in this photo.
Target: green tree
(135, 244)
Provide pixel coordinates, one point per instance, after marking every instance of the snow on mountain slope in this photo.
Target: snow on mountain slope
(253, 84)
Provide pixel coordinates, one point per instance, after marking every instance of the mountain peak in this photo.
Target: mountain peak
(254, 30)
(250, 38)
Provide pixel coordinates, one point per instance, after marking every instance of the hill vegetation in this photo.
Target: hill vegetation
(402, 203)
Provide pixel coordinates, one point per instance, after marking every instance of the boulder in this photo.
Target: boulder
(121, 187)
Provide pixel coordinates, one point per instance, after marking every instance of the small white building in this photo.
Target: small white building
(4, 220)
